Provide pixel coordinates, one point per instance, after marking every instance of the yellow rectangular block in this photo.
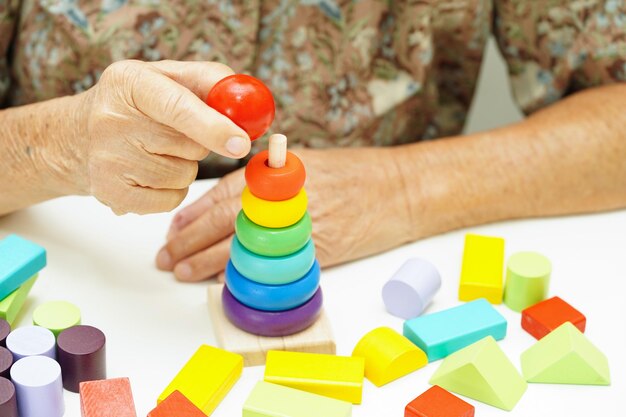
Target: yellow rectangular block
(338, 377)
(207, 377)
(481, 272)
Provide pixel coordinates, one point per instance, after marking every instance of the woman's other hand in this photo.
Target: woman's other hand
(357, 201)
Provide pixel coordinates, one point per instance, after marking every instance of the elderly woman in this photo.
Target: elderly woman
(350, 78)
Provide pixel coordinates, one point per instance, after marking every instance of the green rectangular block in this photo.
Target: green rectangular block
(11, 306)
(271, 400)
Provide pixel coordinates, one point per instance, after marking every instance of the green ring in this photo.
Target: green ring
(267, 241)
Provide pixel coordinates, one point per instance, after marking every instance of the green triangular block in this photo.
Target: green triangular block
(565, 356)
(11, 306)
(483, 372)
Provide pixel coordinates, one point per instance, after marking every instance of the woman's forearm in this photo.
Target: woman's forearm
(39, 158)
(568, 158)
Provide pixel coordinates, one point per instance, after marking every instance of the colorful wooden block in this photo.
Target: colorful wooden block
(437, 402)
(339, 377)
(444, 332)
(31, 341)
(107, 398)
(565, 356)
(5, 330)
(481, 272)
(207, 377)
(6, 361)
(8, 398)
(81, 352)
(38, 387)
(388, 355)
(11, 306)
(176, 405)
(411, 288)
(272, 270)
(268, 241)
(56, 316)
(483, 372)
(271, 400)
(272, 323)
(527, 280)
(543, 317)
(20, 259)
(268, 297)
(316, 339)
(274, 214)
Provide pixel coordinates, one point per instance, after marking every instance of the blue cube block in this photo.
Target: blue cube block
(444, 332)
(20, 259)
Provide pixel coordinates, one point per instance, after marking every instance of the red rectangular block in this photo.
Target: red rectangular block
(176, 405)
(437, 402)
(541, 318)
(107, 398)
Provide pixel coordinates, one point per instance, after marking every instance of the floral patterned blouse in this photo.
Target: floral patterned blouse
(343, 72)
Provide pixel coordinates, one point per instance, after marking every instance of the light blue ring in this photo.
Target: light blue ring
(272, 297)
(278, 270)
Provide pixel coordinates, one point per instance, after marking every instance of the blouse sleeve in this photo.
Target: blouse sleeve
(554, 48)
(8, 20)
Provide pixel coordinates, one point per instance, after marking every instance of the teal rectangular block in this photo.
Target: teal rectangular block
(444, 332)
(20, 259)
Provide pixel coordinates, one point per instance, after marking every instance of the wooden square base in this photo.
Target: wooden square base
(316, 339)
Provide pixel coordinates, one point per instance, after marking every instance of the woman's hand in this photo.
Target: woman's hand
(145, 128)
(357, 201)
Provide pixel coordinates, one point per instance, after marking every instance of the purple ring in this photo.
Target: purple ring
(272, 323)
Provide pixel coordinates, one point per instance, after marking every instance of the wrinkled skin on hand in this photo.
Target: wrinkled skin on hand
(146, 126)
(356, 200)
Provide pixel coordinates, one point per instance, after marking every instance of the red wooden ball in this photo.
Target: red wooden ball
(246, 101)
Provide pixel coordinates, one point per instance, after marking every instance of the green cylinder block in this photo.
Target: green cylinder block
(527, 280)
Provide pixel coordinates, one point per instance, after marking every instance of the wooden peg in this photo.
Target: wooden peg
(277, 150)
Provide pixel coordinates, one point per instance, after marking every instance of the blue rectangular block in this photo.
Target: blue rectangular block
(444, 332)
(20, 259)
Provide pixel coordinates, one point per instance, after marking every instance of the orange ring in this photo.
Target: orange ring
(275, 184)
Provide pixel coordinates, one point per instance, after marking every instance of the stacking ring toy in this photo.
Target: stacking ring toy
(273, 242)
(272, 297)
(275, 184)
(274, 214)
(273, 271)
(271, 323)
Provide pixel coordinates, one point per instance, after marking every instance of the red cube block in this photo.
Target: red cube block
(437, 402)
(545, 316)
(176, 405)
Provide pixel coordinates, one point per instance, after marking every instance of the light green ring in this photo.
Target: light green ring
(268, 241)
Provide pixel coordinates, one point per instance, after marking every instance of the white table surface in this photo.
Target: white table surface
(105, 265)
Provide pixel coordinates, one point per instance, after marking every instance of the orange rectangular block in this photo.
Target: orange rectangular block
(107, 398)
(176, 405)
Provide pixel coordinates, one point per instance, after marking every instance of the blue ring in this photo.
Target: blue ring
(278, 270)
(272, 297)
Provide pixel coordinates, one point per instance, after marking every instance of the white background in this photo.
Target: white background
(104, 264)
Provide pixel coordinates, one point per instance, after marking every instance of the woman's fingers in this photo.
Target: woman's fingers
(230, 186)
(164, 100)
(163, 172)
(142, 200)
(205, 264)
(159, 139)
(211, 227)
(198, 76)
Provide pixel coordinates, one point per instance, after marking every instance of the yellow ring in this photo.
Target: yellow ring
(274, 214)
